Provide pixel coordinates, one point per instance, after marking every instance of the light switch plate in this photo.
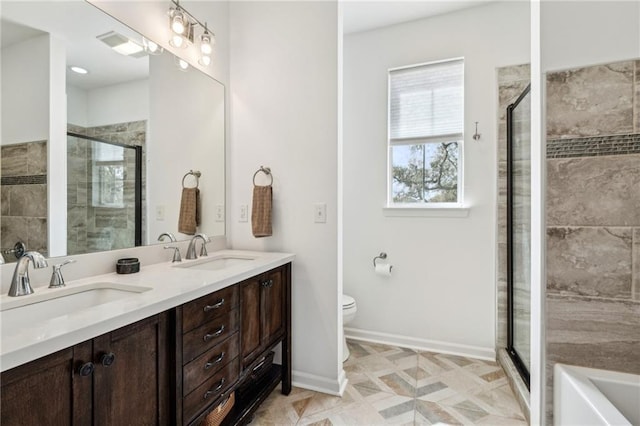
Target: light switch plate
(244, 213)
(219, 213)
(320, 213)
(159, 213)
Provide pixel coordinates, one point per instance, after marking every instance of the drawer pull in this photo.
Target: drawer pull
(210, 392)
(216, 333)
(218, 360)
(258, 367)
(214, 306)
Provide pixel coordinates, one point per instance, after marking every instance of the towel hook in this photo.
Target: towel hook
(266, 171)
(476, 135)
(197, 175)
(382, 255)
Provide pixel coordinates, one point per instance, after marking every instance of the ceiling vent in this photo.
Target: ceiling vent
(122, 44)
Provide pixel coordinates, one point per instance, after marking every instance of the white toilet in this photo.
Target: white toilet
(349, 310)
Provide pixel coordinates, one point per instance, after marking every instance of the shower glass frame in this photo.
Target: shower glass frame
(137, 237)
(511, 329)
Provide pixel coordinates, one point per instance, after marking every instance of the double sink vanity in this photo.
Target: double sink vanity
(166, 345)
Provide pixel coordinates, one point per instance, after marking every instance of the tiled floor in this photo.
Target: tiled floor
(389, 385)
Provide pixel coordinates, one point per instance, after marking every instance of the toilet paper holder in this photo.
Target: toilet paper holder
(382, 255)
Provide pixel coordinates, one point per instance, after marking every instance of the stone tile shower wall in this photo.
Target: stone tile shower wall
(89, 228)
(24, 197)
(511, 83)
(593, 219)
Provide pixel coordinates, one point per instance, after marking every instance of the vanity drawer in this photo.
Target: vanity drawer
(206, 336)
(209, 363)
(210, 390)
(208, 307)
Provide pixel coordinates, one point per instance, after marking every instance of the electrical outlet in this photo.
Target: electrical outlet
(244, 213)
(159, 213)
(219, 213)
(320, 213)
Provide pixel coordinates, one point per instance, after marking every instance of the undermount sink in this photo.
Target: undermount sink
(51, 303)
(216, 263)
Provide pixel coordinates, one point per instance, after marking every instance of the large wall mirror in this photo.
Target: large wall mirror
(98, 161)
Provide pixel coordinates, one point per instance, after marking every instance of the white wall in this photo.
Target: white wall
(284, 84)
(25, 91)
(442, 292)
(77, 106)
(118, 103)
(196, 143)
(580, 33)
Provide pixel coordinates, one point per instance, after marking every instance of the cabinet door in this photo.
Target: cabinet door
(272, 306)
(131, 380)
(250, 333)
(49, 390)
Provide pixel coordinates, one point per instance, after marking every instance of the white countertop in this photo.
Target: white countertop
(171, 286)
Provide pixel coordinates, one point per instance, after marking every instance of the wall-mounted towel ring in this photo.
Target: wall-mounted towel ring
(266, 171)
(197, 175)
(382, 255)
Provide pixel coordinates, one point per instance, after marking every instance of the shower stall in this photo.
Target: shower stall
(519, 232)
(104, 194)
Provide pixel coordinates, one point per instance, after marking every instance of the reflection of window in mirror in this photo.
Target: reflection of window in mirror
(108, 175)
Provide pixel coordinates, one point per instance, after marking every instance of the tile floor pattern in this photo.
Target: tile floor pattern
(390, 385)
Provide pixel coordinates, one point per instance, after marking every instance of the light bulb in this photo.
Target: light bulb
(176, 40)
(205, 60)
(205, 44)
(183, 64)
(177, 22)
(153, 47)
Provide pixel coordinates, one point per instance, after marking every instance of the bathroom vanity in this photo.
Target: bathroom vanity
(170, 367)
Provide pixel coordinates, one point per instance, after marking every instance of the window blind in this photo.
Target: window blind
(427, 103)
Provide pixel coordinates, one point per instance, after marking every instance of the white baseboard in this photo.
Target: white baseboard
(421, 344)
(319, 383)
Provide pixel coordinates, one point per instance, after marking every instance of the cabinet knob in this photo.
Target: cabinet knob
(86, 369)
(210, 392)
(214, 306)
(267, 283)
(216, 333)
(108, 359)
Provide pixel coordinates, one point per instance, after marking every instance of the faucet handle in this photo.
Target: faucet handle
(176, 253)
(56, 276)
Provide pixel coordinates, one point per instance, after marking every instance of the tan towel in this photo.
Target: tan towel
(189, 211)
(261, 211)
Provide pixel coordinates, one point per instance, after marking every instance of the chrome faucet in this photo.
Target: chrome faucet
(20, 285)
(172, 237)
(56, 276)
(191, 250)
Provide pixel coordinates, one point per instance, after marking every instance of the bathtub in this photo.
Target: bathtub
(586, 396)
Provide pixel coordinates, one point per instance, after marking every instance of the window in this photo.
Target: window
(108, 175)
(426, 115)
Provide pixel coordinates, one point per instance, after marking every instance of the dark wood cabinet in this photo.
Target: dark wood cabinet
(131, 381)
(263, 313)
(53, 385)
(171, 368)
(115, 379)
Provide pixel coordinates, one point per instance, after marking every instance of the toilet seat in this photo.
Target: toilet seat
(347, 301)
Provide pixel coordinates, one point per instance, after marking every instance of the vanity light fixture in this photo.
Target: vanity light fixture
(182, 25)
(79, 70)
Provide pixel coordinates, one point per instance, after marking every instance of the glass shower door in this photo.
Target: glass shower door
(519, 231)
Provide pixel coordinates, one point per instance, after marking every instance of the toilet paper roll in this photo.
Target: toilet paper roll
(384, 269)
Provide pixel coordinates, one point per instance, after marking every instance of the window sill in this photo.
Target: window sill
(425, 211)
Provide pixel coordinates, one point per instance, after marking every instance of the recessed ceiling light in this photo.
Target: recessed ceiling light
(79, 70)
